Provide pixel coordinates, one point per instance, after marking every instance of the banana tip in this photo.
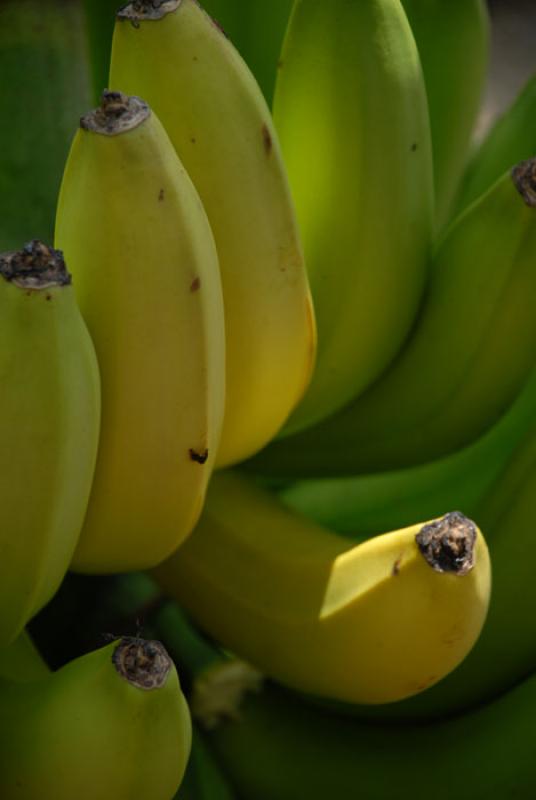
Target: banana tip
(448, 543)
(524, 177)
(142, 663)
(36, 266)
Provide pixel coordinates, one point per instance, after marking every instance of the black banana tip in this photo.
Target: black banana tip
(142, 663)
(524, 177)
(35, 266)
(448, 543)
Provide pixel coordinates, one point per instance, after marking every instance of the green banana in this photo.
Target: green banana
(110, 724)
(453, 38)
(371, 504)
(350, 109)
(49, 428)
(363, 623)
(214, 112)
(470, 351)
(511, 139)
(44, 89)
(280, 749)
(146, 272)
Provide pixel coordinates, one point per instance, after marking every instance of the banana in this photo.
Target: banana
(49, 428)
(280, 749)
(179, 60)
(350, 109)
(511, 139)
(470, 351)
(453, 39)
(146, 273)
(45, 88)
(371, 504)
(364, 623)
(118, 710)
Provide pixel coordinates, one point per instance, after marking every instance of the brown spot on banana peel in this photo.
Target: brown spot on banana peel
(195, 284)
(35, 266)
(524, 178)
(199, 458)
(142, 663)
(448, 543)
(267, 139)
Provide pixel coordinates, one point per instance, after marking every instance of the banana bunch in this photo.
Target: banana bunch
(49, 428)
(112, 723)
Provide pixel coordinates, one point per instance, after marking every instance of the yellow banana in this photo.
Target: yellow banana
(111, 724)
(350, 109)
(147, 280)
(175, 57)
(49, 427)
(366, 623)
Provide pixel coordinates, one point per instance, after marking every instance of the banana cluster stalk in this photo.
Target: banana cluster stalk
(147, 280)
(471, 349)
(111, 724)
(176, 58)
(351, 112)
(49, 428)
(364, 623)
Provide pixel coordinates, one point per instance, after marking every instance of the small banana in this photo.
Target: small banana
(350, 109)
(147, 280)
(453, 39)
(511, 139)
(471, 350)
(364, 623)
(278, 748)
(45, 87)
(49, 428)
(180, 62)
(110, 724)
(383, 501)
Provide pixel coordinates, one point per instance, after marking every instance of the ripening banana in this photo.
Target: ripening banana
(469, 354)
(368, 623)
(110, 724)
(49, 428)
(44, 89)
(511, 139)
(350, 109)
(176, 58)
(278, 748)
(383, 501)
(146, 272)
(453, 38)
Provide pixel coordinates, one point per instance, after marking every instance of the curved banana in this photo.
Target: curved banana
(511, 139)
(350, 109)
(469, 354)
(218, 121)
(383, 501)
(146, 275)
(118, 710)
(370, 623)
(453, 39)
(49, 428)
(44, 66)
(278, 748)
